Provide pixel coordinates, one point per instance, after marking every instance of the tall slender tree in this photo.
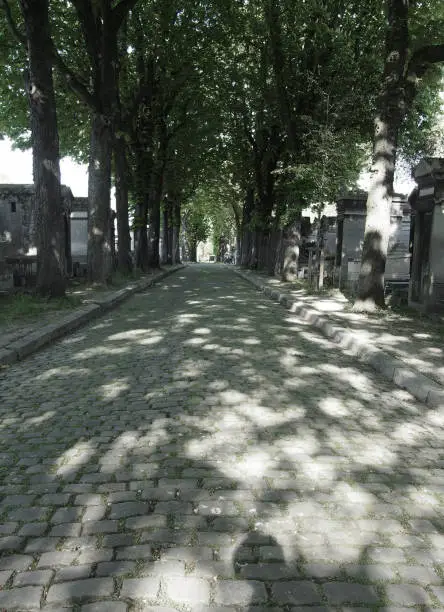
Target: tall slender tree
(403, 69)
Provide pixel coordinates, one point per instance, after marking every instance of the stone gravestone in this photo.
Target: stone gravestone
(427, 279)
(17, 226)
(351, 209)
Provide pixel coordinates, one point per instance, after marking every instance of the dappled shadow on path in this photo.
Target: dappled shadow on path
(414, 337)
(199, 434)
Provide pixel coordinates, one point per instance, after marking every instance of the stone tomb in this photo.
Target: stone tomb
(427, 279)
(351, 211)
(79, 235)
(17, 227)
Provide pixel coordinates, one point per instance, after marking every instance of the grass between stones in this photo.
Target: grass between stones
(23, 306)
(26, 306)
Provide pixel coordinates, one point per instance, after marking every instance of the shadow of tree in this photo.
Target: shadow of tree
(200, 442)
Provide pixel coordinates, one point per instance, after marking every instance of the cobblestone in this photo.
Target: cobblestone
(140, 588)
(407, 594)
(33, 529)
(202, 447)
(105, 606)
(295, 593)
(240, 592)
(343, 593)
(74, 572)
(126, 509)
(188, 590)
(94, 527)
(4, 577)
(11, 543)
(115, 568)
(40, 545)
(15, 562)
(79, 590)
(33, 578)
(25, 598)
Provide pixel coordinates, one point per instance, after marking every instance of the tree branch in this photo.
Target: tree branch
(418, 65)
(11, 23)
(91, 33)
(249, 135)
(121, 10)
(423, 58)
(72, 80)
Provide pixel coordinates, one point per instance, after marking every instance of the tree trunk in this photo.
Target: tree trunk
(165, 234)
(263, 247)
(193, 251)
(273, 251)
(391, 109)
(237, 259)
(290, 250)
(50, 238)
(124, 261)
(175, 245)
(279, 254)
(112, 239)
(99, 186)
(183, 239)
(176, 233)
(170, 245)
(245, 248)
(156, 191)
(254, 249)
(154, 233)
(141, 237)
(247, 213)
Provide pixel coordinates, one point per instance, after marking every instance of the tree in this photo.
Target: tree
(100, 23)
(49, 233)
(172, 118)
(403, 69)
(94, 83)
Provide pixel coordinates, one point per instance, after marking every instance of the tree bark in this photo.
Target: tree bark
(170, 245)
(124, 261)
(237, 257)
(156, 191)
(99, 187)
(279, 254)
(193, 251)
(165, 234)
(50, 238)
(141, 237)
(246, 243)
(273, 250)
(291, 237)
(154, 230)
(176, 233)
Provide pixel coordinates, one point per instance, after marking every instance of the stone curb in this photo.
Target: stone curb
(19, 349)
(393, 369)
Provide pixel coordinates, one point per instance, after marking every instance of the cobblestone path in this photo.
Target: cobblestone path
(202, 449)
